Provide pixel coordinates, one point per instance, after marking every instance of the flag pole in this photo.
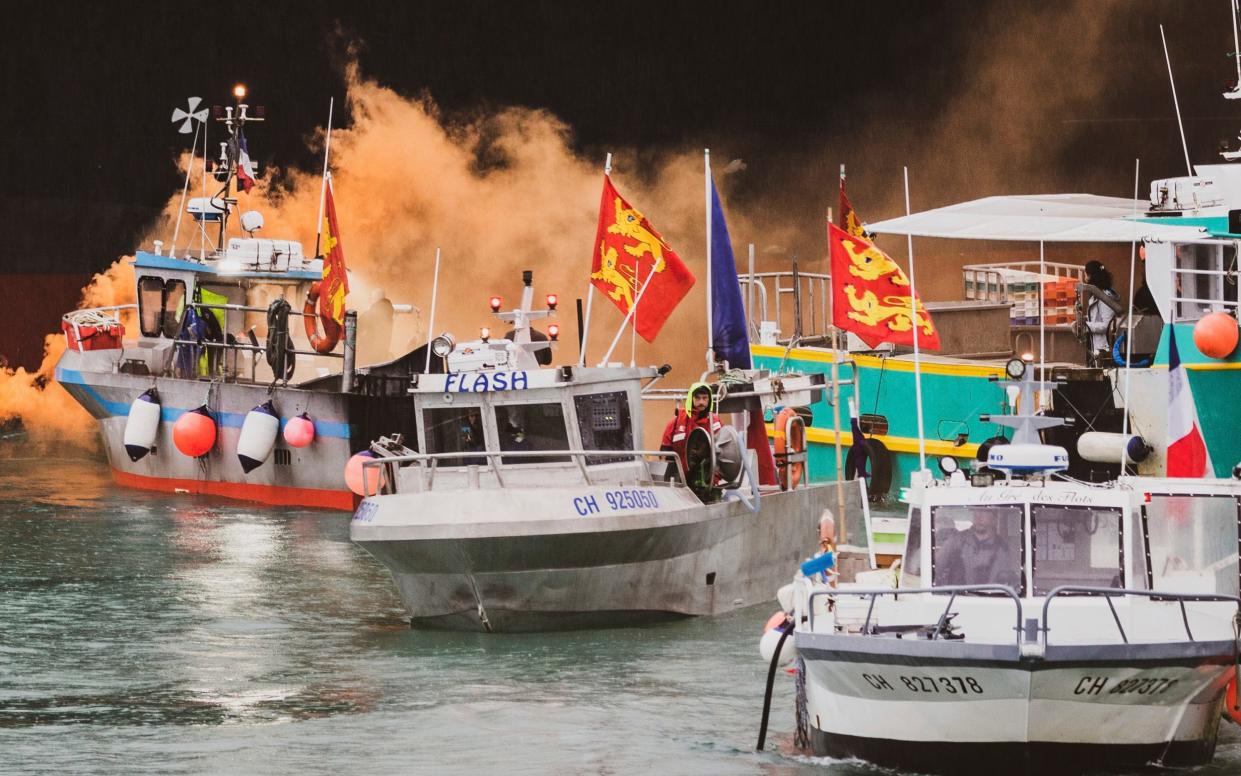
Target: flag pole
(590, 286)
(327, 149)
(913, 315)
(435, 287)
(202, 222)
(840, 474)
(706, 160)
(1133, 261)
(628, 316)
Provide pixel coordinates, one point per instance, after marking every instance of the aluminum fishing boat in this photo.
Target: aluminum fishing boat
(533, 506)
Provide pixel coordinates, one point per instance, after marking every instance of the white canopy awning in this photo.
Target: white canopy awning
(1041, 217)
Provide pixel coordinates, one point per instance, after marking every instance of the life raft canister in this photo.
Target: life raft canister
(325, 342)
(142, 426)
(258, 436)
(790, 437)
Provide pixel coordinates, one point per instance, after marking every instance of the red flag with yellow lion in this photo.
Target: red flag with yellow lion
(629, 253)
(871, 295)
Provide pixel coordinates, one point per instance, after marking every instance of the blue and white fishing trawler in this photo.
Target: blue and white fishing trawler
(226, 377)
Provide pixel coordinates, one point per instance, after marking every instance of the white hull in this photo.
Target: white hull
(975, 708)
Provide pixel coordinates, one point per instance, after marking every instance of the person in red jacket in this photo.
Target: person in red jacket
(696, 414)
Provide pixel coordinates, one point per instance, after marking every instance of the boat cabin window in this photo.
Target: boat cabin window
(160, 306)
(1076, 546)
(1202, 281)
(978, 545)
(603, 420)
(1193, 543)
(456, 430)
(525, 427)
(911, 565)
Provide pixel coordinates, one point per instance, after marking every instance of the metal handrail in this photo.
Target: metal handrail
(1113, 592)
(579, 457)
(812, 280)
(955, 590)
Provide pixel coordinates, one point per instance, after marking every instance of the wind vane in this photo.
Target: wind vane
(189, 116)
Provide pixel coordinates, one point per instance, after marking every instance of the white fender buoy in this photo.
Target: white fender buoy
(767, 647)
(143, 425)
(258, 436)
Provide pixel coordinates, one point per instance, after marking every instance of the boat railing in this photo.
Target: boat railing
(952, 590)
(1191, 307)
(1108, 593)
(810, 292)
(385, 467)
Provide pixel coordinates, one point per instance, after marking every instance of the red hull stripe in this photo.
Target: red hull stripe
(244, 491)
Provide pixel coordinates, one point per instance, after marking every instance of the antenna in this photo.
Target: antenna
(1176, 103)
(191, 121)
(1235, 93)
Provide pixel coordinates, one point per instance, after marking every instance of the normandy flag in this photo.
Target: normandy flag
(871, 295)
(335, 283)
(848, 216)
(628, 254)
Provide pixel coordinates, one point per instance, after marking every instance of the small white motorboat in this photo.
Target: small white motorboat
(1035, 624)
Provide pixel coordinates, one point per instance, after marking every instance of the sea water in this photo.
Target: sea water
(179, 634)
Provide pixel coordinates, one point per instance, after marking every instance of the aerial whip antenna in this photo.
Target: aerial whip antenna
(1189, 169)
(1235, 92)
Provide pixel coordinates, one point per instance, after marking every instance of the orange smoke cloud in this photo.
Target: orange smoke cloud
(46, 410)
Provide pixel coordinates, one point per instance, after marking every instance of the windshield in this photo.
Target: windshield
(1076, 546)
(1193, 543)
(528, 427)
(976, 544)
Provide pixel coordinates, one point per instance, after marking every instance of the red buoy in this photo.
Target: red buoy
(194, 432)
(1216, 335)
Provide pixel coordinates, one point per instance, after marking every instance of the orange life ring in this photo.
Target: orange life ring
(789, 441)
(322, 343)
(1230, 705)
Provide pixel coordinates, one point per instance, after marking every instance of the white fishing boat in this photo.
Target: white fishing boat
(532, 504)
(1035, 624)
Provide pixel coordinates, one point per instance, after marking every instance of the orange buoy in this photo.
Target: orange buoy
(354, 475)
(194, 432)
(1216, 335)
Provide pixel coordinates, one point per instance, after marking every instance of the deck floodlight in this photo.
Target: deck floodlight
(495, 302)
(239, 91)
(948, 464)
(443, 345)
(553, 331)
(552, 299)
(1015, 368)
(484, 334)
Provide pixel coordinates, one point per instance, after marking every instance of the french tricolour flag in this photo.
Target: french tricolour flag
(1187, 451)
(245, 167)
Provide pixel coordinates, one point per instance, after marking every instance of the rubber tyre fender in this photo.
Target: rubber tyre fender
(876, 453)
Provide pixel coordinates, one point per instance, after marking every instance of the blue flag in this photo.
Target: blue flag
(728, 326)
